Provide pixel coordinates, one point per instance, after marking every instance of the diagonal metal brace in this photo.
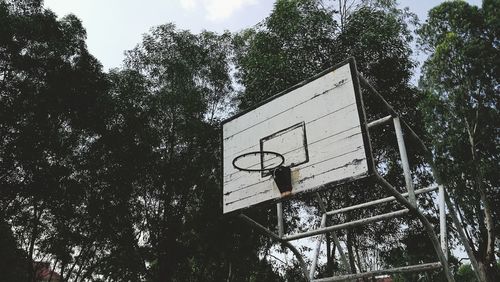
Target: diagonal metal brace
(427, 225)
(277, 238)
(334, 236)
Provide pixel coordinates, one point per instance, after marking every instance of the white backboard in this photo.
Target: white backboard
(318, 126)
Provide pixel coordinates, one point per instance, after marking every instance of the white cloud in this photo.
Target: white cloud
(223, 9)
(188, 4)
(216, 10)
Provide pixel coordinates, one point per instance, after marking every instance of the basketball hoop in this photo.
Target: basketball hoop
(281, 174)
(261, 167)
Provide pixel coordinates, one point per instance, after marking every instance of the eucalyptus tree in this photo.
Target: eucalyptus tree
(179, 216)
(460, 80)
(301, 38)
(51, 91)
(293, 43)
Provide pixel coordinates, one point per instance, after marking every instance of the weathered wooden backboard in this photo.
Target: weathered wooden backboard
(319, 127)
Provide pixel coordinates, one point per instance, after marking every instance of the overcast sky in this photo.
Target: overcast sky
(114, 26)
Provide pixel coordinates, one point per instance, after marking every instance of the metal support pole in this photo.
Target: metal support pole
(451, 209)
(316, 251)
(335, 238)
(442, 221)
(425, 222)
(281, 229)
(404, 161)
(341, 252)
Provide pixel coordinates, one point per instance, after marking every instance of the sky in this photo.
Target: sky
(114, 26)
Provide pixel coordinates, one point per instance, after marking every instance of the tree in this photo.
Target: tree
(287, 48)
(460, 80)
(186, 78)
(293, 43)
(49, 92)
(115, 176)
(13, 260)
(57, 194)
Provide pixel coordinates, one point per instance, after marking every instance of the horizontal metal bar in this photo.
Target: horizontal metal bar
(379, 201)
(404, 269)
(354, 223)
(379, 121)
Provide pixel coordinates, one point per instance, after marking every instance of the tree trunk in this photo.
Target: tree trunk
(358, 258)
(328, 256)
(53, 269)
(350, 252)
(229, 274)
(34, 235)
(488, 272)
(171, 253)
(490, 228)
(486, 260)
(163, 271)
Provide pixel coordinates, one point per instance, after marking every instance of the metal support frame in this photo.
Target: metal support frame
(430, 160)
(404, 161)
(442, 221)
(316, 251)
(401, 199)
(325, 228)
(410, 204)
(413, 209)
(281, 228)
(425, 222)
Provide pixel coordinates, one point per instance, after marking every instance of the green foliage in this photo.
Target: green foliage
(13, 260)
(116, 176)
(460, 80)
(186, 78)
(465, 274)
(293, 43)
(301, 38)
(50, 94)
